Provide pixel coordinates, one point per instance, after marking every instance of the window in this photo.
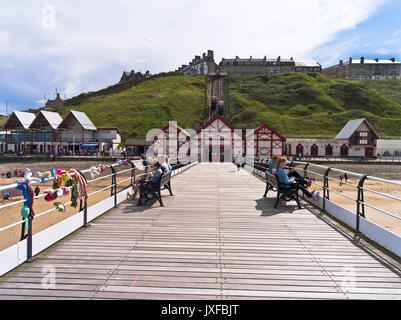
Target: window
(363, 137)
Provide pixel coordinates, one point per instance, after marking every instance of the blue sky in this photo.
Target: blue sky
(79, 46)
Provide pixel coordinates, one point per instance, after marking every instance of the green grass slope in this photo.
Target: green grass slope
(300, 104)
(148, 105)
(305, 105)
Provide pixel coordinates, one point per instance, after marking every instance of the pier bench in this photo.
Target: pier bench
(283, 192)
(153, 190)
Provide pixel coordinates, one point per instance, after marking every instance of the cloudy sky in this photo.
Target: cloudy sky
(84, 45)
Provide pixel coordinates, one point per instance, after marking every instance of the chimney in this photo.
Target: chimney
(250, 59)
(392, 59)
(279, 58)
(204, 55)
(362, 60)
(264, 59)
(58, 96)
(350, 60)
(341, 63)
(210, 54)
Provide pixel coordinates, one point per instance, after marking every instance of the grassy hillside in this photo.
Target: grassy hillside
(149, 105)
(313, 105)
(294, 104)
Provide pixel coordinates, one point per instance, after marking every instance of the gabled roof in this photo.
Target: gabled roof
(216, 117)
(53, 119)
(179, 129)
(82, 119)
(19, 118)
(265, 126)
(351, 127)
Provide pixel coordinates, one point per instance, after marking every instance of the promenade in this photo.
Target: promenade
(216, 238)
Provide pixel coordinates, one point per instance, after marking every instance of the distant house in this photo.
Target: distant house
(56, 103)
(137, 146)
(359, 139)
(265, 142)
(133, 76)
(17, 139)
(356, 139)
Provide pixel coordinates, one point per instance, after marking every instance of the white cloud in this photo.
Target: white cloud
(92, 42)
(7, 65)
(391, 41)
(397, 33)
(383, 51)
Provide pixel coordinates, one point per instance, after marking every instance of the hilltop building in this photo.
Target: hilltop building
(254, 66)
(199, 65)
(134, 76)
(56, 103)
(362, 69)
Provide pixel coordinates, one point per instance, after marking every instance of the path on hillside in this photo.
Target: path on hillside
(215, 239)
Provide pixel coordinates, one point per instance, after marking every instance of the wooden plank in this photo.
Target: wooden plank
(210, 241)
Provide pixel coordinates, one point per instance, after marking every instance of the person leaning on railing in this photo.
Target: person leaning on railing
(290, 182)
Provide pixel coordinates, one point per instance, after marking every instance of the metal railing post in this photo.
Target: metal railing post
(29, 241)
(326, 193)
(306, 171)
(86, 212)
(115, 187)
(133, 175)
(360, 202)
(113, 178)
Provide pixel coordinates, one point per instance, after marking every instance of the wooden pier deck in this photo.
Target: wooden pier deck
(217, 238)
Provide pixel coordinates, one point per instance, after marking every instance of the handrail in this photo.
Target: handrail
(306, 167)
(84, 204)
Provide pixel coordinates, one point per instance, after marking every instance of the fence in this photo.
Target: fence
(32, 244)
(355, 219)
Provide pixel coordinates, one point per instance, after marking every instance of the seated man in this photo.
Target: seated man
(164, 162)
(291, 182)
(152, 177)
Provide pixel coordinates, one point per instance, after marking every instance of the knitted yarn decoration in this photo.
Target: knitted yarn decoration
(74, 192)
(58, 182)
(80, 180)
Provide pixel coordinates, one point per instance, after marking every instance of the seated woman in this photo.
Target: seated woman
(291, 182)
(152, 177)
(296, 175)
(273, 164)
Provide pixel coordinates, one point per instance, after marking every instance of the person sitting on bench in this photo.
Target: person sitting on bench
(296, 175)
(291, 182)
(152, 177)
(273, 164)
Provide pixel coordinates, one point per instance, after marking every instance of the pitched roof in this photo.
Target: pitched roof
(264, 125)
(82, 119)
(307, 64)
(52, 118)
(18, 117)
(351, 127)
